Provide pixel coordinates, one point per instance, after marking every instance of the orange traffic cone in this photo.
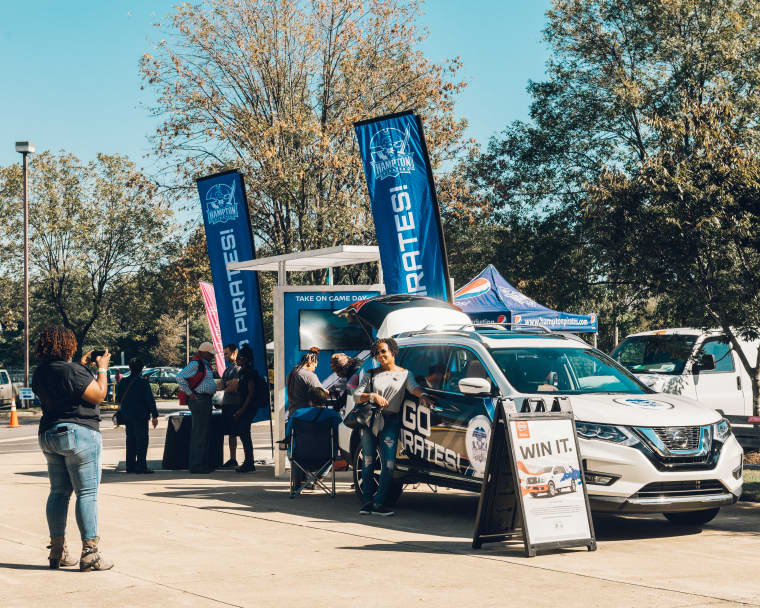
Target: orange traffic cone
(14, 416)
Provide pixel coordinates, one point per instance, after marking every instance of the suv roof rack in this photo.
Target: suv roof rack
(474, 329)
(511, 326)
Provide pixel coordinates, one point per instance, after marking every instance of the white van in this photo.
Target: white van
(6, 388)
(699, 364)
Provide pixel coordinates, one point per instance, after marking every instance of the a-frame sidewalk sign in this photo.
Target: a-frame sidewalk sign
(534, 487)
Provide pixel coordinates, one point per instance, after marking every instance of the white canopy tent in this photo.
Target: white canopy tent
(302, 261)
(316, 259)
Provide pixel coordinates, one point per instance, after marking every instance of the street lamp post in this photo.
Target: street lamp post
(25, 148)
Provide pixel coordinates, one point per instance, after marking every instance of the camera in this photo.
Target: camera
(97, 353)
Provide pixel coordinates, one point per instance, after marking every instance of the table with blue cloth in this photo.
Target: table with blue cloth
(177, 444)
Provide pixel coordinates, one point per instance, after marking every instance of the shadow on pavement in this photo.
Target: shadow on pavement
(33, 567)
(444, 514)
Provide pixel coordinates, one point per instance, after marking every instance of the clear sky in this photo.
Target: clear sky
(70, 69)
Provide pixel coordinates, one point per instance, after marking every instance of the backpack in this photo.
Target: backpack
(194, 380)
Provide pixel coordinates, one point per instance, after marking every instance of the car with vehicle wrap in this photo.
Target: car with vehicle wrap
(642, 451)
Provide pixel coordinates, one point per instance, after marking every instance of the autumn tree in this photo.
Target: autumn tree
(274, 86)
(92, 226)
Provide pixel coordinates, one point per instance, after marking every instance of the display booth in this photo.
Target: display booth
(303, 316)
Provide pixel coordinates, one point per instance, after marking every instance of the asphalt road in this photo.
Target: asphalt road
(24, 439)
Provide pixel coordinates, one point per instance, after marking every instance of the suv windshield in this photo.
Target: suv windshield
(564, 371)
(664, 354)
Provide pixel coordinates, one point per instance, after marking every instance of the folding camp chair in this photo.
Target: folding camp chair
(313, 452)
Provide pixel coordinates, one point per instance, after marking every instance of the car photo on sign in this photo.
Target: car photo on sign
(548, 481)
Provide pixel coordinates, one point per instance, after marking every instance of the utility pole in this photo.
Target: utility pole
(26, 148)
(187, 339)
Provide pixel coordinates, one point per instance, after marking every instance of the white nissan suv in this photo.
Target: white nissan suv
(643, 452)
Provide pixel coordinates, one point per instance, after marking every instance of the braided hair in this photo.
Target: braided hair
(309, 358)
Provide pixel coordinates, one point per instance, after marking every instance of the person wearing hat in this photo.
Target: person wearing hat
(196, 380)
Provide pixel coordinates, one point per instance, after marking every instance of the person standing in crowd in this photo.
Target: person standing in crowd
(386, 387)
(196, 380)
(136, 406)
(344, 367)
(69, 436)
(251, 387)
(301, 379)
(231, 400)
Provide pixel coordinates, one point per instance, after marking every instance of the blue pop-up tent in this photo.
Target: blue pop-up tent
(489, 298)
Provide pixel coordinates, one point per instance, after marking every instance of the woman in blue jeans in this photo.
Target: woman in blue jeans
(69, 436)
(386, 387)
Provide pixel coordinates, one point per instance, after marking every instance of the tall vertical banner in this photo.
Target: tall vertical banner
(404, 205)
(229, 239)
(212, 316)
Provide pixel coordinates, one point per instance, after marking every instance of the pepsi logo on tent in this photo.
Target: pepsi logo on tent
(516, 319)
(476, 288)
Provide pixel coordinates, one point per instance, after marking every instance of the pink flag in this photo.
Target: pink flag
(209, 299)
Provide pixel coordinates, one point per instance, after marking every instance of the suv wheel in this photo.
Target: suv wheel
(357, 461)
(552, 489)
(692, 518)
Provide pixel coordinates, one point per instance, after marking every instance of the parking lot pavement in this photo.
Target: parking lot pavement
(237, 540)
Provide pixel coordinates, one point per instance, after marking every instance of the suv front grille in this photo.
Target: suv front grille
(672, 489)
(679, 437)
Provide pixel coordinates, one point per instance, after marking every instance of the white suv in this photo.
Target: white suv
(642, 452)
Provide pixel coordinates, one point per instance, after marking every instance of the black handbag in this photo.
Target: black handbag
(362, 415)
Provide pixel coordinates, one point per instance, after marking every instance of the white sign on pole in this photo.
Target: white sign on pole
(26, 394)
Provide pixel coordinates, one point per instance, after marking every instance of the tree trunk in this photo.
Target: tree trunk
(756, 386)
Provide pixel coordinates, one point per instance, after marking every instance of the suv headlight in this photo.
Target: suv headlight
(722, 430)
(604, 432)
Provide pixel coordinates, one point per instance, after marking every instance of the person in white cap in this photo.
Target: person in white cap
(197, 382)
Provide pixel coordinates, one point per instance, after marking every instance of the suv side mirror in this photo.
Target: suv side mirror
(705, 364)
(475, 386)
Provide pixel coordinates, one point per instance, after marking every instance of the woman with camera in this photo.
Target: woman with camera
(69, 435)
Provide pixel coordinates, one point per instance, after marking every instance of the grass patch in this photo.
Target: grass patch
(751, 490)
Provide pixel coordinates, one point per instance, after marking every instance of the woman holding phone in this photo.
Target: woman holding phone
(69, 436)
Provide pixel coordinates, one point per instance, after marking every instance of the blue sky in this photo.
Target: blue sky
(71, 77)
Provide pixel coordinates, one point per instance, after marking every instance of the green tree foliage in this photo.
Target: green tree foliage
(92, 227)
(696, 204)
(639, 149)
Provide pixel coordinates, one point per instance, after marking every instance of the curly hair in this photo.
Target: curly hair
(56, 343)
(389, 342)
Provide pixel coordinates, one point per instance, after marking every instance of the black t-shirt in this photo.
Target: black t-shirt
(246, 375)
(59, 385)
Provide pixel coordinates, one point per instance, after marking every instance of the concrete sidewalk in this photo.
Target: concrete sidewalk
(238, 540)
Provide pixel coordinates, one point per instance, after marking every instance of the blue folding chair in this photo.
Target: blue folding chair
(312, 449)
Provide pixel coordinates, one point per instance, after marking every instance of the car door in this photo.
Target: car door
(719, 388)
(461, 424)
(419, 424)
